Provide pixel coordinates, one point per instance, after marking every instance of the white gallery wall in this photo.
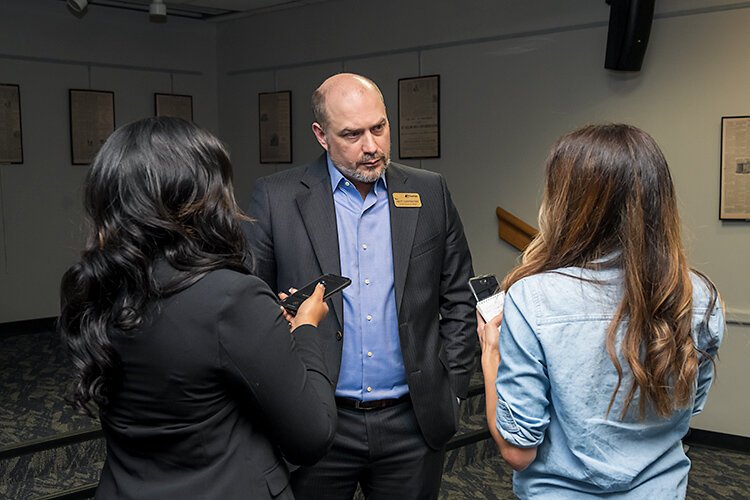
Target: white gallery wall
(46, 50)
(514, 76)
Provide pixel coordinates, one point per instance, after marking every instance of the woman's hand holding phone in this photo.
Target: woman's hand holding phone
(311, 312)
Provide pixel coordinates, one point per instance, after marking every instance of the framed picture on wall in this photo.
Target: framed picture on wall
(734, 201)
(92, 120)
(11, 142)
(419, 117)
(275, 126)
(177, 105)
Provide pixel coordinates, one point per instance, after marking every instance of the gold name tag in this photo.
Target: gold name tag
(407, 200)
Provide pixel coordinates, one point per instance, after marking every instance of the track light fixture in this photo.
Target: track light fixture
(157, 11)
(78, 7)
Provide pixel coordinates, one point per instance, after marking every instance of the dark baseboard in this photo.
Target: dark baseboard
(467, 438)
(50, 442)
(710, 439)
(79, 493)
(39, 325)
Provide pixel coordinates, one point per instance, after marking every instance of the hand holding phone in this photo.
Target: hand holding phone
(332, 283)
(310, 312)
(488, 295)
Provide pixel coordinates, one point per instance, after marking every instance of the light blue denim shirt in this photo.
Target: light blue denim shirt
(555, 381)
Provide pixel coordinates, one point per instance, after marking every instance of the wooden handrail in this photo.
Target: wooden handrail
(513, 230)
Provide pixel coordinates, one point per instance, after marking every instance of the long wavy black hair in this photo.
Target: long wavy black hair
(159, 188)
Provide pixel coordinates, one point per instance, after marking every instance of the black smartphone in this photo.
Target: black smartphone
(483, 286)
(490, 298)
(332, 283)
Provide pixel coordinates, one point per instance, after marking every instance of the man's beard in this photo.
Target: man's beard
(367, 176)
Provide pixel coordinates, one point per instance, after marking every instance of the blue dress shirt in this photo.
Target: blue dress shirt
(372, 365)
(555, 381)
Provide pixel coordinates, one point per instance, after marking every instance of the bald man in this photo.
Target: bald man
(400, 344)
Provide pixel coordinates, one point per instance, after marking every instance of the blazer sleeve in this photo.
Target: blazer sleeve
(260, 236)
(283, 373)
(458, 321)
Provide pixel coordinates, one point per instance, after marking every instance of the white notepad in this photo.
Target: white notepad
(491, 306)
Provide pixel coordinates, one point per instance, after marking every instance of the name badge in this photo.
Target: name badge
(407, 200)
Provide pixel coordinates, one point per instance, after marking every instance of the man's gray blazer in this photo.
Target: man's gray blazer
(294, 240)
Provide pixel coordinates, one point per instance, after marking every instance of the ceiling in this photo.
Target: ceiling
(206, 9)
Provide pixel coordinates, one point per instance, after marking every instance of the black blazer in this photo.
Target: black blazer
(294, 240)
(212, 392)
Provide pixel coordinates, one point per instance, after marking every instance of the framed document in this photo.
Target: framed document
(734, 201)
(92, 119)
(180, 106)
(419, 117)
(11, 143)
(275, 126)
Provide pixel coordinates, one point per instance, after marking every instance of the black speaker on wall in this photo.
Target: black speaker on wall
(627, 38)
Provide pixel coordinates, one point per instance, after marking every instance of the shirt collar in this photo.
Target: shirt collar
(337, 177)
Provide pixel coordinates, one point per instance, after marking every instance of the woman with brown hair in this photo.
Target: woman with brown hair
(608, 339)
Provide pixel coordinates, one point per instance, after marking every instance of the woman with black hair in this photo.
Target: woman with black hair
(201, 390)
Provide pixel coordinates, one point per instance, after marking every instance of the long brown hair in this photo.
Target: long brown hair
(608, 192)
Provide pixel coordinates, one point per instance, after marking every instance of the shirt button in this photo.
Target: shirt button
(367, 282)
(364, 246)
(369, 354)
(347, 184)
(369, 317)
(369, 389)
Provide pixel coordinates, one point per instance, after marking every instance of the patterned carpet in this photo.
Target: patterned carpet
(35, 377)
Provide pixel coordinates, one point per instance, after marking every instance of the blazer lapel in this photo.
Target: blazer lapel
(319, 217)
(403, 227)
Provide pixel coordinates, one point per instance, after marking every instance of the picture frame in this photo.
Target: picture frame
(275, 126)
(92, 120)
(419, 117)
(177, 105)
(734, 199)
(11, 131)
